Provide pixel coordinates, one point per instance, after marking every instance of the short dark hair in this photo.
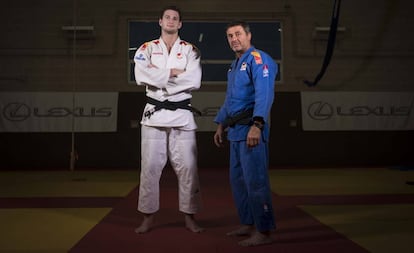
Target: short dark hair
(241, 23)
(171, 7)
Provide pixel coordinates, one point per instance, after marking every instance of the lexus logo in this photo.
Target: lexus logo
(20, 112)
(320, 111)
(16, 112)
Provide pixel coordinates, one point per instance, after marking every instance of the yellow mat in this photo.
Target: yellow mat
(67, 184)
(377, 228)
(56, 229)
(51, 230)
(346, 181)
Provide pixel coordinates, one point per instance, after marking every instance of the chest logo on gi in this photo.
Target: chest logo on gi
(243, 66)
(179, 56)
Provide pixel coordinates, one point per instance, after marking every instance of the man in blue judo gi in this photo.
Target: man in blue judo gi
(244, 114)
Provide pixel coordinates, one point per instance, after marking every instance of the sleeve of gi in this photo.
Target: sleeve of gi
(145, 73)
(264, 75)
(190, 79)
(221, 114)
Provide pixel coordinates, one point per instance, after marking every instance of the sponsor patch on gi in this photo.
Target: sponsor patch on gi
(179, 56)
(265, 70)
(243, 66)
(140, 57)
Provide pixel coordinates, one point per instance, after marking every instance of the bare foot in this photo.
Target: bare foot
(256, 239)
(146, 224)
(241, 231)
(191, 224)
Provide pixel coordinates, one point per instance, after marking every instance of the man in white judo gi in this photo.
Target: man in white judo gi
(170, 69)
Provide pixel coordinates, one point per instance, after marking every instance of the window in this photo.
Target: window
(210, 38)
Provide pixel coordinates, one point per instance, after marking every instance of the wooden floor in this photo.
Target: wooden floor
(317, 210)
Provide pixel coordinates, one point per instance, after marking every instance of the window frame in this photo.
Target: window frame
(156, 33)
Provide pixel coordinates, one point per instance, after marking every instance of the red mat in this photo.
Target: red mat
(296, 231)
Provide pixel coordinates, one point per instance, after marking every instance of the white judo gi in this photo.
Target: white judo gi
(168, 133)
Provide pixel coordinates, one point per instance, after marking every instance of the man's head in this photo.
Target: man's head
(170, 19)
(239, 36)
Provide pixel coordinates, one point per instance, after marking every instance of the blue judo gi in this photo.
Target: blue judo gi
(250, 85)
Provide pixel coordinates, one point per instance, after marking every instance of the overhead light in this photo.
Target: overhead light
(85, 32)
(78, 28)
(322, 32)
(327, 29)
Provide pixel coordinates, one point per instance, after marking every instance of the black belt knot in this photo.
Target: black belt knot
(169, 105)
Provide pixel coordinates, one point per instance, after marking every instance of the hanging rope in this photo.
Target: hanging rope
(331, 43)
(73, 155)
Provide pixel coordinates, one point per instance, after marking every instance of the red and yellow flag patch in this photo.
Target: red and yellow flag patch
(257, 57)
(144, 46)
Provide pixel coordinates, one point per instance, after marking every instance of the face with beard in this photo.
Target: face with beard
(239, 39)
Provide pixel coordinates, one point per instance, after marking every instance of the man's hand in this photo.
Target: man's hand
(218, 136)
(253, 136)
(176, 72)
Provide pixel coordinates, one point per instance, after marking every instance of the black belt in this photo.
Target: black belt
(168, 105)
(243, 118)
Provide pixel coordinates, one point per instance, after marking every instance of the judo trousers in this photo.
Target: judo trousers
(250, 185)
(157, 145)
